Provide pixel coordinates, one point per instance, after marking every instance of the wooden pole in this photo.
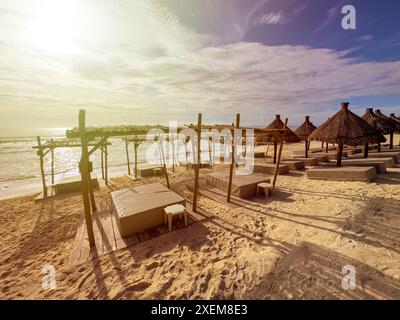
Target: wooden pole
(366, 150)
(163, 161)
(102, 161)
(326, 147)
(136, 164)
(209, 151)
(279, 156)
(275, 147)
(173, 153)
(232, 160)
(106, 162)
(391, 140)
(85, 178)
(40, 154)
(127, 157)
(52, 163)
(197, 166)
(186, 155)
(339, 155)
(306, 148)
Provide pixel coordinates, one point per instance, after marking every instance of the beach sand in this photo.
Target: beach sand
(292, 246)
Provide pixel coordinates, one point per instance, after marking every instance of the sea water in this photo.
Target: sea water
(20, 169)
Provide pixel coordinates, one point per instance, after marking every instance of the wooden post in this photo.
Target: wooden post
(102, 161)
(85, 177)
(279, 156)
(136, 166)
(326, 148)
(391, 140)
(275, 147)
(40, 154)
(197, 166)
(163, 161)
(306, 148)
(186, 154)
(232, 160)
(339, 155)
(366, 150)
(127, 157)
(106, 162)
(52, 163)
(173, 153)
(379, 147)
(209, 151)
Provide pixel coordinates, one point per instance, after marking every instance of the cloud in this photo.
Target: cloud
(148, 68)
(272, 18)
(366, 37)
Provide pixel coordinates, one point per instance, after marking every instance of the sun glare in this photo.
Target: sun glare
(55, 26)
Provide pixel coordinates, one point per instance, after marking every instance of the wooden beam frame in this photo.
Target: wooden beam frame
(85, 177)
(40, 154)
(197, 166)
(279, 156)
(228, 198)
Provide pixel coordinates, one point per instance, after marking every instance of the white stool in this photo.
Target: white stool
(265, 187)
(172, 211)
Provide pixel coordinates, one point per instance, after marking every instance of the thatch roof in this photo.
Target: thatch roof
(395, 124)
(290, 136)
(378, 123)
(347, 128)
(305, 129)
(393, 117)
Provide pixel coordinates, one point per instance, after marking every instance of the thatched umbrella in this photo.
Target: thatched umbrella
(304, 131)
(346, 128)
(395, 125)
(393, 117)
(290, 136)
(382, 125)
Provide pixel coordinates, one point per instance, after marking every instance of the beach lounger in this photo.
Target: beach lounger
(342, 173)
(142, 207)
(242, 186)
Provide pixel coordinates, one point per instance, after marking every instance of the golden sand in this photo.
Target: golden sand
(292, 246)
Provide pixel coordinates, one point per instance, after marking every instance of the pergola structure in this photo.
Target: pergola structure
(49, 146)
(87, 135)
(136, 141)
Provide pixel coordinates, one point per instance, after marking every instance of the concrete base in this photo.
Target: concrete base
(307, 161)
(146, 170)
(269, 168)
(388, 162)
(342, 174)
(259, 154)
(394, 155)
(72, 184)
(378, 165)
(352, 150)
(330, 155)
(294, 164)
(321, 157)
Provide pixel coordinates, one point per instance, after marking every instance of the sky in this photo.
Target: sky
(148, 62)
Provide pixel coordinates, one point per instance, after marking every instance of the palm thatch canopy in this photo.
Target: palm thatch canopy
(346, 128)
(382, 125)
(395, 124)
(393, 117)
(305, 129)
(290, 136)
